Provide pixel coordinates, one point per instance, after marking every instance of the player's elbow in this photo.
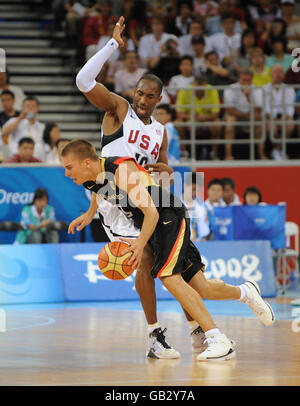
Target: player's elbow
(83, 84)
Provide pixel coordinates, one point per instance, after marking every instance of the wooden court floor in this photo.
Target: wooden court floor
(94, 346)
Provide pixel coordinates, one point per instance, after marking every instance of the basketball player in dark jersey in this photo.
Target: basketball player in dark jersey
(164, 224)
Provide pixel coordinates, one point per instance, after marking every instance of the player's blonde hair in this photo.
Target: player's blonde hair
(81, 149)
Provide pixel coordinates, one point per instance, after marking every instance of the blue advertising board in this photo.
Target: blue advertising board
(234, 262)
(30, 274)
(69, 272)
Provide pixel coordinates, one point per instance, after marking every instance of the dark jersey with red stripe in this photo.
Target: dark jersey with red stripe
(109, 191)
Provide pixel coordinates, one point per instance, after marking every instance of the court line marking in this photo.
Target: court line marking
(188, 381)
(49, 320)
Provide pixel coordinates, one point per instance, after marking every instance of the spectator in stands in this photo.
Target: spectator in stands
(261, 73)
(216, 73)
(165, 115)
(265, 12)
(273, 31)
(93, 48)
(180, 25)
(16, 90)
(25, 152)
(242, 58)
(166, 63)
(25, 125)
(214, 199)
(297, 115)
(51, 136)
(126, 79)
(198, 214)
(278, 106)
(60, 144)
(292, 76)
(292, 21)
(35, 218)
(98, 25)
(74, 12)
(279, 55)
(230, 198)
(205, 8)
(238, 102)
(113, 65)
(185, 41)
(203, 97)
(198, 45)
(228, 42)
(252, 196)
(150, 44)
(184, 79)
(7, 101)
(138, 23)
(214, 23)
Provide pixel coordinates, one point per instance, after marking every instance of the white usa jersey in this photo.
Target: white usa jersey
(135, 139)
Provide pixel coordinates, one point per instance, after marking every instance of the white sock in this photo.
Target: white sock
(152, 327)
(243, 292)
(211, 332)
(193, 325)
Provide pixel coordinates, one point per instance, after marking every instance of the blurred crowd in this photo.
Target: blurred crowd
(187, 43)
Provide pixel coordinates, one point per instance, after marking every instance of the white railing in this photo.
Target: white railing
(252, 141)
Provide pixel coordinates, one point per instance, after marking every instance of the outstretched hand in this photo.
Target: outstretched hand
(119, 28)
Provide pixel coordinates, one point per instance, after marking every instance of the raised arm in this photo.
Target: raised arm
(95, 92)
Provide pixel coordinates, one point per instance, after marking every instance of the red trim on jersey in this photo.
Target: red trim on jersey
(127, 158)
(173, 250)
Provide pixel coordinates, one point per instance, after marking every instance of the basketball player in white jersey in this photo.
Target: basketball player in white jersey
(132, 131)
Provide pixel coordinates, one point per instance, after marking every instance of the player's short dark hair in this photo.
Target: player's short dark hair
(8, 92)
(215, 181)
(152, 78)
(26, 140)
(255, 190)
(228, 181)
(81, 149)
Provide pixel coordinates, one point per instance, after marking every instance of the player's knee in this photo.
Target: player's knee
(173, 282)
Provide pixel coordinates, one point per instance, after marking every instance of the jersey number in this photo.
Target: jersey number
(141, 160)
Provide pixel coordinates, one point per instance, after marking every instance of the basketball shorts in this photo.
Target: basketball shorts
(173, 250)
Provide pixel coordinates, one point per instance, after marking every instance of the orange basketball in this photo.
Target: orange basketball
(112, 263)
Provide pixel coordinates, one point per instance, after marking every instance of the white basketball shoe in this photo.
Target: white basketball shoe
(198, 340)
(219, 348)
(260, 308)
(158, 346)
